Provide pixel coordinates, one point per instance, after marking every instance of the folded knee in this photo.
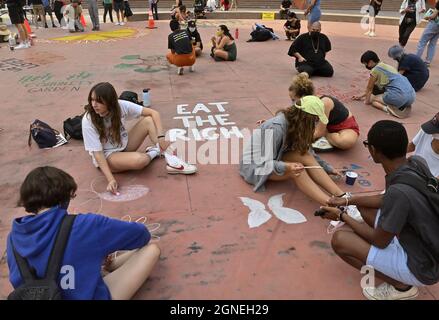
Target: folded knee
(338, 241)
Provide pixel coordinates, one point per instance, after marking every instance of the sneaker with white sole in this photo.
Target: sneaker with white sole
(117, 23)
(180, 71)
(372, 34)
(22, 45)
(154, 148)
(322, 145)
(122, 23)
(367, 33)
(388, 292)
(177, 166)
(192, 68)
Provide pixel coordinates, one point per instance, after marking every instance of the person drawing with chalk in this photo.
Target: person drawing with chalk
(112, 147)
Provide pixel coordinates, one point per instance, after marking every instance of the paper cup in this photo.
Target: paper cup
(351, 177)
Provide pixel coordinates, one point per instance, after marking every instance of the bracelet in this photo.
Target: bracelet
(162, 136)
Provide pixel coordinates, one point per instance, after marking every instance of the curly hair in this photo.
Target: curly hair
(302, 85)
(300, 131)
(106, 94)
(46, 187)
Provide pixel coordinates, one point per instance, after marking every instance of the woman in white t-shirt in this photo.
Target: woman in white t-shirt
(112, 147)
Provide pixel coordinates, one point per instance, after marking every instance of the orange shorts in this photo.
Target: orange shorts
(181, 60)
(349, 123)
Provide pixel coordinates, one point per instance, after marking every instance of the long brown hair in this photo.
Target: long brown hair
(300, 131)
(106, 94)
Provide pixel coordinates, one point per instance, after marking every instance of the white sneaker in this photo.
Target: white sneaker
(372, 34)
(180, 71)
(192, 68)
(117, 23)
(122, 23)
(322, 144)
(388, 292)
(22, 45)
(177, 166)
(367, 33)
(155, 149)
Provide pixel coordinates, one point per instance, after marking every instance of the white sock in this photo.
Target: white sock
(152, 153)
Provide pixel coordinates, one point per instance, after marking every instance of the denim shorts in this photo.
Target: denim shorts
(392, 261)
(397, 99)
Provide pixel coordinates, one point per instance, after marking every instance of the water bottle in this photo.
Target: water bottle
(146, 98)
(12, 42)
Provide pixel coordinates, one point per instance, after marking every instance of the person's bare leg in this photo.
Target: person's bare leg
(126, 280)
(344, 139)
(305, 184)
(126, 161)
(22, 32)
(377, 102)
(318, 175)
(142, 129)
(221, 54)
(354, 250)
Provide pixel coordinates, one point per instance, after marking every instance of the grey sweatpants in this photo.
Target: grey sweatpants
(94, 13)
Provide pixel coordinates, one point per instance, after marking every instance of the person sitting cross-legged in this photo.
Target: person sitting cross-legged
(310, 50)
(182, 52)
(400, 239)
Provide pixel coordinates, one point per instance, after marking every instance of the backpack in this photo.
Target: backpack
(73, 128)
(261, 34)
(46, 288)
(43, 134)
(131, 97)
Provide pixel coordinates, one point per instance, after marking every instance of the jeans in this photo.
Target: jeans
(430, 36)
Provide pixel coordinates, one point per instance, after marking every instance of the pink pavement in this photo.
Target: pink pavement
(208, 250)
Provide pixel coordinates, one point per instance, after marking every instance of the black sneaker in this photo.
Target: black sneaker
(54, 26)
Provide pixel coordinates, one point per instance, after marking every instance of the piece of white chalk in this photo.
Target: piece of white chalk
(117, 193)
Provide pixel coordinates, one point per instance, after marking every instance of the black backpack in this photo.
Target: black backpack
(46, 288)
(43, 134)
(261, 34)
(73, 128)
(131, 97)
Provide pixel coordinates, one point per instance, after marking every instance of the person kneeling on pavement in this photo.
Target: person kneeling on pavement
(72, 14)
(400, 239)
(310, 50)
(182, 52)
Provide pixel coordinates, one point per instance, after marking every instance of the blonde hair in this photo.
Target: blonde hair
(302, 85)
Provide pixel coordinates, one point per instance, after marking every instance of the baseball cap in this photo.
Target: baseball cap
(313, 105)
(431, 126)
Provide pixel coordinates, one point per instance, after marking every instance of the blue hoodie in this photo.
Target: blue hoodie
(93, 237)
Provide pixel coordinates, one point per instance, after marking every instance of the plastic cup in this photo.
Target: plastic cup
(351, 177)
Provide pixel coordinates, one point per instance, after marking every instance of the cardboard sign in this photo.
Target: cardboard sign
(268, 15)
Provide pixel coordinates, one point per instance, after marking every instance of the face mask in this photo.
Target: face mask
(369, 68)
(314, 34)
(192, 29)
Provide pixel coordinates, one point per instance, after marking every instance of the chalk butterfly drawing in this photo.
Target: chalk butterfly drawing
(258, 215)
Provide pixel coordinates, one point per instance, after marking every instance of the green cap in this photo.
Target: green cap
(313, 105)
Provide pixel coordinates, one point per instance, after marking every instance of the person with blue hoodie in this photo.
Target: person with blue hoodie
(45, 194)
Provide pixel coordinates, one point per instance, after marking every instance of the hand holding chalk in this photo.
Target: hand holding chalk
(112, 186)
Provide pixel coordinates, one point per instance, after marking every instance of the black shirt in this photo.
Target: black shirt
(411, 15)
(406, 213)
(195, 37)
(307, 48)
(180, 42)
(293, 24)
(415, 70)
(338, 114)
(286, 4)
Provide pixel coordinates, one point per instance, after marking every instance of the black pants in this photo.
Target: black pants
(108, 7)
(405, 30)
(323, 70)
(154, 11)
(57, 9)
